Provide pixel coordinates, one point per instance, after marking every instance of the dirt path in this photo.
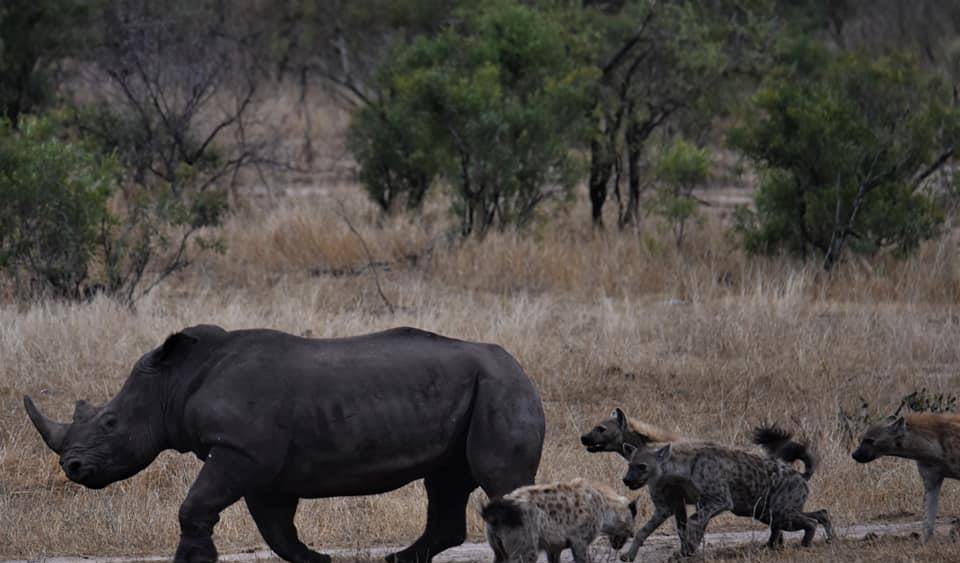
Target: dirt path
(657, 548)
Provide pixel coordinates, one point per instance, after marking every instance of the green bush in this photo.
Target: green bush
(681, 168)
(490, 105)
(53, 198)
(842, 144)
(34, 34)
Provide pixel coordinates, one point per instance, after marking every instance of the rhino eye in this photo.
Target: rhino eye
(109, 423)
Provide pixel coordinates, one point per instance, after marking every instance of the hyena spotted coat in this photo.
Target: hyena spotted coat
(556, 516)
(724, 478)
(932, 440)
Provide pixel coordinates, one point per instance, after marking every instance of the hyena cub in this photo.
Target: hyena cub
(724, 478)
(554, 517)
(933, 440)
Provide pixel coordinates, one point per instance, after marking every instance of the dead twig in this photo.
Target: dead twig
(342, 212)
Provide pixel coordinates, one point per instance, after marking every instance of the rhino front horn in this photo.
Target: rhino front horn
(52, 432)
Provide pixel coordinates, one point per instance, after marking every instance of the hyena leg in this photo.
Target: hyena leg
(823, 517)
(553, 556)
(518, 547)
(581, 552)
(660, 515)
(796, 521)
(709, 506)
(932, 480)
(500, 555)
(776, 535)
(680, 518)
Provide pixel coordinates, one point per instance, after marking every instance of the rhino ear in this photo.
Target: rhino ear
(83, 411)
(174, 349)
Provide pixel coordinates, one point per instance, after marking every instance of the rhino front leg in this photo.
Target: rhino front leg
(221, 482)
(274, 518)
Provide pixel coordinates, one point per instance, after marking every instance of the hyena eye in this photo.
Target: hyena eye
(868, 441)
(642, 467)
(600, 429)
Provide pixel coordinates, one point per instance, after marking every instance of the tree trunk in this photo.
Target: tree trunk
(600, 170)
(841, 232)
(634, 144)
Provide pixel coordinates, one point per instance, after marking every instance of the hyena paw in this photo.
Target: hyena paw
(631, 553)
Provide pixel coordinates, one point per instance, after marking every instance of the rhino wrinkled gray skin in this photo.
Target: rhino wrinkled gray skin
(277, 418)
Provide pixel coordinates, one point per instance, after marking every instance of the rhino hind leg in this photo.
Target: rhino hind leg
(274, 515)
(447, 494)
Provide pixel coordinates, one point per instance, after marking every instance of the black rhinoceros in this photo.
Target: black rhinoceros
(276, 418)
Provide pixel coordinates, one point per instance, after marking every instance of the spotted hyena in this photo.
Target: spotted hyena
(610, 434)
(933, 440)
(556, 516)
(723, 478)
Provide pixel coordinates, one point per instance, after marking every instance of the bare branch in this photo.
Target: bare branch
(342, 212)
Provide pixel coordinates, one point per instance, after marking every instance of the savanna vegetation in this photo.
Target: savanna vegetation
(711, 213)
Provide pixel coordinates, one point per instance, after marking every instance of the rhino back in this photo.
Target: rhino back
(368, 413)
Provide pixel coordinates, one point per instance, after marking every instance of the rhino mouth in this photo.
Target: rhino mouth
(89, 481)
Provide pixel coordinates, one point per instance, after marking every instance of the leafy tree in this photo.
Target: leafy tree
(490, 105)
(659, 63)
(336, 46)
(680, 169)
(844, 144)
(53, 197)
(34, 35)
(178, 81)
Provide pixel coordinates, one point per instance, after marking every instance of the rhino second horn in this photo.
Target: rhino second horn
(52, 432)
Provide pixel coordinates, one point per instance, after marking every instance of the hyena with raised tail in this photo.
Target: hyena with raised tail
(932, 440)
(554, 517)
(723, 478)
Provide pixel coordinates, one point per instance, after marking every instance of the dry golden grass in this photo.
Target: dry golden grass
(707, 342)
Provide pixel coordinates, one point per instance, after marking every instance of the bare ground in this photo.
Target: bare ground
(719, 545)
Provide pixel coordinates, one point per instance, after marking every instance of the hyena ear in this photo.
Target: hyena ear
(899, 426)
(620, 417)
(663, 454)
(628, 450)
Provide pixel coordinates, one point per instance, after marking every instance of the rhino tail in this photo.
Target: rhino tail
(779, 443)
(502, 513)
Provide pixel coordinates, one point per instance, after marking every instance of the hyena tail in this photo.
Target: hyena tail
(502, 513)
(778, 443)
